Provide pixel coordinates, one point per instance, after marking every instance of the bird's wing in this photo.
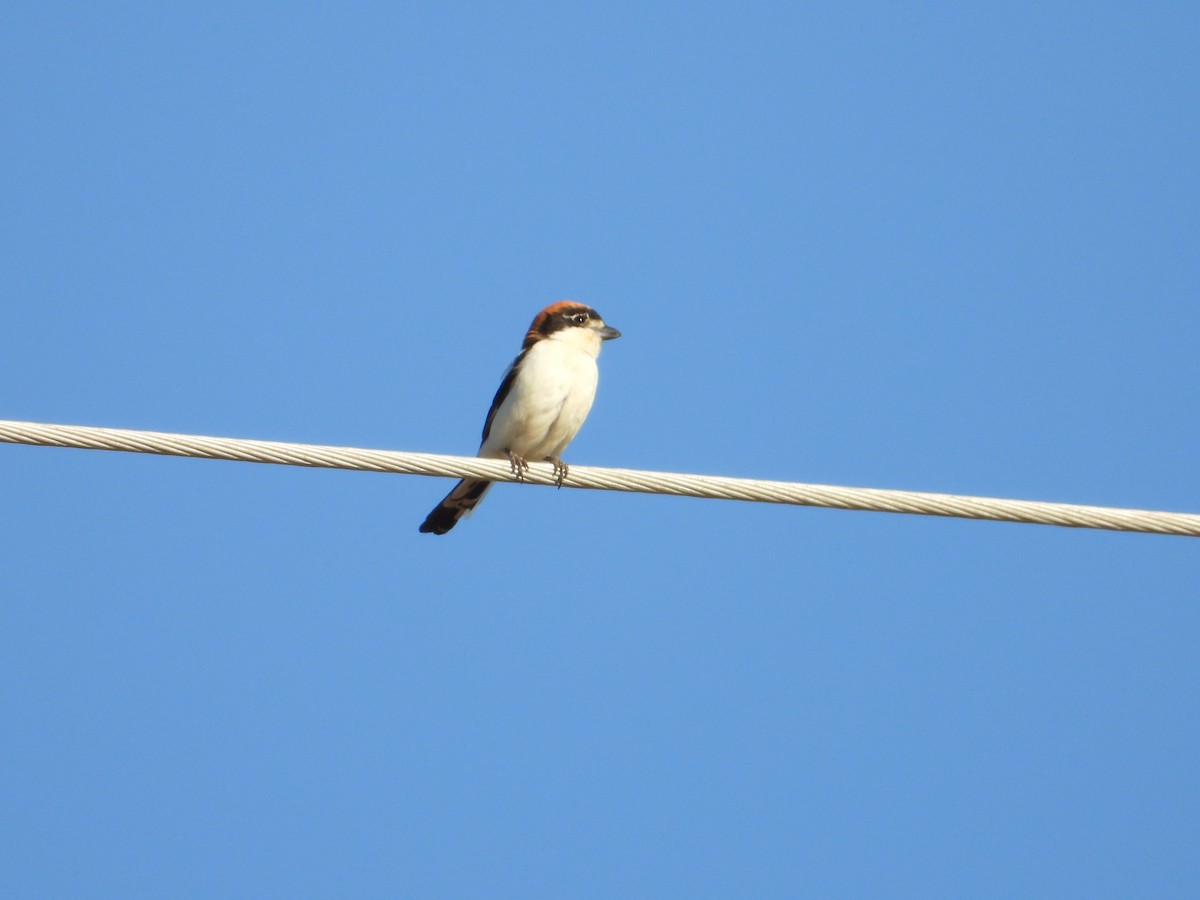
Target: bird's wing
(505, 386)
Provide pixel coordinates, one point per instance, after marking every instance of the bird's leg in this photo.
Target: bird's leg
(519, 466)
(560, 469)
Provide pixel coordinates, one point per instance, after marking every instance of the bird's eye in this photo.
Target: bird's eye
(579, 318)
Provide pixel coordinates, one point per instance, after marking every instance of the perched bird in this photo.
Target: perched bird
(542, 402)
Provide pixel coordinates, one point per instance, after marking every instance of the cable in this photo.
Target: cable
(707, 486)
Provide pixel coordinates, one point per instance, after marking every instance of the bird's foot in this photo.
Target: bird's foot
(519, 466)
(560, 469)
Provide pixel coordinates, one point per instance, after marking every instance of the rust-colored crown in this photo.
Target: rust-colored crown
(552, 318)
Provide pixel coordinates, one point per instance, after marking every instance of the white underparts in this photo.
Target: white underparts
(550, 397)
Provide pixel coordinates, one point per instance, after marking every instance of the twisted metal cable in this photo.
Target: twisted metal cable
(705, 486)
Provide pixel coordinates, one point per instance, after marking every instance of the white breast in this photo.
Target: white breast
(548, 402)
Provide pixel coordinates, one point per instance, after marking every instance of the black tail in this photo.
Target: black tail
(458, 503)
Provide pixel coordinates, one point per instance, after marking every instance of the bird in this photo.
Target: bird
(544, 397)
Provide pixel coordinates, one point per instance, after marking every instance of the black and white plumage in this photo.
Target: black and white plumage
(543, 400)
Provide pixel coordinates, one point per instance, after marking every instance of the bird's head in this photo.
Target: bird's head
(570, 322)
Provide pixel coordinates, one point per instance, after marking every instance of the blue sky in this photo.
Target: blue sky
(947, 247)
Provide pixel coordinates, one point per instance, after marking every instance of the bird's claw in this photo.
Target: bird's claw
(560, 469)
(519, 466)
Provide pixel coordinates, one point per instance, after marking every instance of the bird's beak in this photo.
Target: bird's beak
(607, 334)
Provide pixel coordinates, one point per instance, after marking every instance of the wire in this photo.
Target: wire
(706, 486)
